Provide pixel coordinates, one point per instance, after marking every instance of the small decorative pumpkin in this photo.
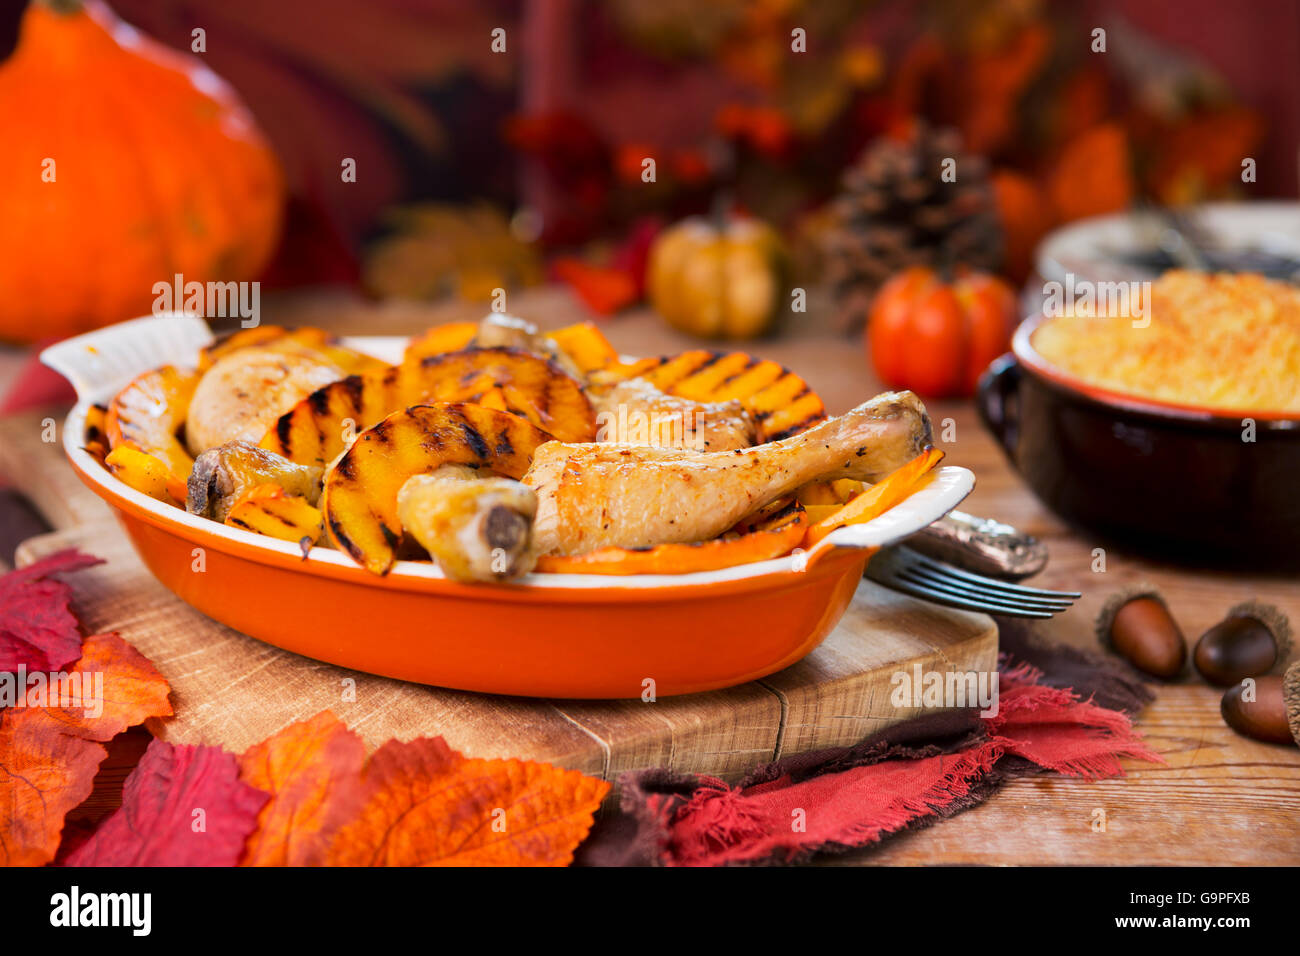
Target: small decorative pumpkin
(936, 337)
(721, 279)
(124, 163)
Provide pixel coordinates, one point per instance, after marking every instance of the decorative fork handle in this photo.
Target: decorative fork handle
(981, 545)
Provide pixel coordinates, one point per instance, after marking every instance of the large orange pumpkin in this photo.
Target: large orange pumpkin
(936, 337)
(124, 164)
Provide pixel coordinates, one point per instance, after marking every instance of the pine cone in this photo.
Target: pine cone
(895, 210)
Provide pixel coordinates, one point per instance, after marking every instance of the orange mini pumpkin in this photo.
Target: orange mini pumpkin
(718, 279)
(937, 337)
(124, 163)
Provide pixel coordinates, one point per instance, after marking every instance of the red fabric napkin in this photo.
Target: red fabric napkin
(36, 385)
(907, 776)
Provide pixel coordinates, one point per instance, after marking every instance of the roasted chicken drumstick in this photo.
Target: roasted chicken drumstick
(478, 528)
(634, 496)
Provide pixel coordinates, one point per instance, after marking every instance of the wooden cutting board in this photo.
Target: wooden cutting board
(231, 690)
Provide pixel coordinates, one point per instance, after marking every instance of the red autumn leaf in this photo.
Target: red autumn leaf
(691, 166)
(182, 806)
(312, 770)
(38, 630)
(633, 254)
(49, 754)
(426, 805)
(629, 161)
(604, 289)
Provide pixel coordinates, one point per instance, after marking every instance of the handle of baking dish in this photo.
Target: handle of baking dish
(108, 358)
(995, 401)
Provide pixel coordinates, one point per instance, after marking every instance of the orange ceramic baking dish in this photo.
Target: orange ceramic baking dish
(548, 635)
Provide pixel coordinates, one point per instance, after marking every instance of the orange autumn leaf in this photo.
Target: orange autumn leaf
(1094, 174)
(49, 754)
(994, 83)
(426, 805)
(43, 775)
(312, 770)
(1025, 219)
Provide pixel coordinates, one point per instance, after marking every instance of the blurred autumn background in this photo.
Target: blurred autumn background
(479, 169)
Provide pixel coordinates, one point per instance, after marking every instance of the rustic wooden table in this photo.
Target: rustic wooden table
(1219, 799)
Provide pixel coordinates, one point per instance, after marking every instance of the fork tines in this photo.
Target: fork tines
(913, 573)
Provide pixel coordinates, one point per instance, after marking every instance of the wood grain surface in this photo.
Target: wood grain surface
(1219, 799)
(233, 691)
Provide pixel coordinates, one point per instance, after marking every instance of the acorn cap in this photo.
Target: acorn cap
(1291, 696)
(1274, 620)
(1106, 616)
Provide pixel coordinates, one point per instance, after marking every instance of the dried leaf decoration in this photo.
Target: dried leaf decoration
(43, 775)
(426, 805)
(182, 806)
(49, 755)
(38, 630)
(312, 769)
(306, 796)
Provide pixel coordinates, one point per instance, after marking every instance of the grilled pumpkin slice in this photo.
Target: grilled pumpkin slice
(146, 473)
(530, 385)
(780, 401)
(877, 499)
(360, 497)
(306, 341)
(776, 530)
(148, 414)
(441, 339)
(586, 346)
(270, 510)
(317, 429)
(583, 343)
(95, 437)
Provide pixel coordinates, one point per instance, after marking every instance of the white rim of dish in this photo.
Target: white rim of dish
(949, 486)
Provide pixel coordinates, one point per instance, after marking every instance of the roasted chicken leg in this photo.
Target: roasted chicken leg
(636, 496)
(477, 527)
(220, 475)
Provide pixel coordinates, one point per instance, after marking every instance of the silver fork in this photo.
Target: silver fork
(905, 570)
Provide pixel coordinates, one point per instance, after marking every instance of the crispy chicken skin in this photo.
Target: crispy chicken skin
(635, 412)
(477, 527)
(243, 393)
(635, 496)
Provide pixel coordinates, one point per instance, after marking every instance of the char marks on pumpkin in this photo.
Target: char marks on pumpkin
(503, 444)
(780, 401)
(474, 438)
(319, 400)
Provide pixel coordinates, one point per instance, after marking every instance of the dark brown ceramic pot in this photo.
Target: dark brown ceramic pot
(1172, 481)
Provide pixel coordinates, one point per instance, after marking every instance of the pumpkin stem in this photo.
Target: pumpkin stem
(64, 8)
(719, 209)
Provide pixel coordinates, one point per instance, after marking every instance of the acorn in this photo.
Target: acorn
(1291, 698)
(1251, 640)
(1137, 625)
(1264, 718)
